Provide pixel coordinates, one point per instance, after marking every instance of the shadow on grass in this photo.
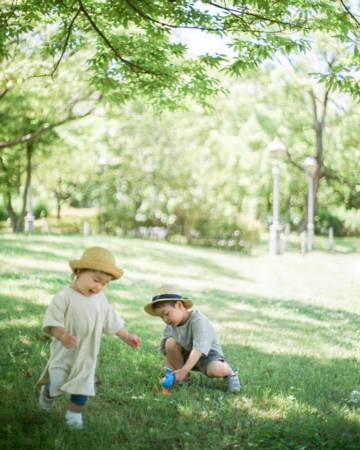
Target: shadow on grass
(14, 307)
(282, 406)
(289, 400)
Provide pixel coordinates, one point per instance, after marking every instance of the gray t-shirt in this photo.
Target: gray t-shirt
(196, 333)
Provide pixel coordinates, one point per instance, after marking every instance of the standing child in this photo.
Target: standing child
(189, 341)
(76, 318)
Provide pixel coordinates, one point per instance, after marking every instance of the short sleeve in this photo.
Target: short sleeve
(166, 334)
(55, 312)
(203, 335)
(112, 321)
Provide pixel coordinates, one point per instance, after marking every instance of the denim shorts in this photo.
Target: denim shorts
(205, 360)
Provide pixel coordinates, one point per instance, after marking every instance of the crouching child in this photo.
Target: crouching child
(189, 341)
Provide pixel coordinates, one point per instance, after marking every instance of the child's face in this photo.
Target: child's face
(91, 282)
(173, 315)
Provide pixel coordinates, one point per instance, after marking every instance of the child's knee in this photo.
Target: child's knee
(217, 369)
(171, 345)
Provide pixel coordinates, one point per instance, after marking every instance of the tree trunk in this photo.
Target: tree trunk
(318, 126)
(58, 208)
(21, 220)
(7, 197)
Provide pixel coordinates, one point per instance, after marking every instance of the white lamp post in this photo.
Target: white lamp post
(277, 150)
(310, 166)
(29, 218)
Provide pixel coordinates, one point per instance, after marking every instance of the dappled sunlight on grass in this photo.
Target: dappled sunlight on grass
(290, 325)
(29, 265)
(274, 412)
(26, 322)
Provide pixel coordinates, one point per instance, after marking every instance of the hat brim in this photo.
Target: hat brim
(149, 308)
(115, 272)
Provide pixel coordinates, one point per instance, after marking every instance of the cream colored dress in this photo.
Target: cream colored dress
(87, 318)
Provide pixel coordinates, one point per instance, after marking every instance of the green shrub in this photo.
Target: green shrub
(345, 222)
(350, 219)
(40, 210)
(236, 232)
(325, 219)
(3, 213)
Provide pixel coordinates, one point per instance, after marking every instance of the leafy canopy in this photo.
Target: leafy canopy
(134, 52)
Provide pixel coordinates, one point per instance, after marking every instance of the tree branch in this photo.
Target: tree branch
(314, 105)
(68, 34)
(293, 162)
(347, 9)
(168, 25)
(31, 136)
(244, 11)
(331, 175)
(3, 93)
(325, 103)
(133, 66)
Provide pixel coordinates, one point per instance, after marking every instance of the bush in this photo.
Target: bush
(3, 213)
(345, 222)
(235, 232)
(325, 219)
(40, 210)
(350, 219)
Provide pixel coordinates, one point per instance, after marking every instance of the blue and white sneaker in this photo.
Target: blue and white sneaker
(233, 382)
(45, 402)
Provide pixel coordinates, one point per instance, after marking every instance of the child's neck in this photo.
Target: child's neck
(187, 316)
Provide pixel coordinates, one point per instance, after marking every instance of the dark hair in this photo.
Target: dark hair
(171, 303)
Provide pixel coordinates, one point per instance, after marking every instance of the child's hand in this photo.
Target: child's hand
(130, 339)
(67, 340)
(181, 375)
(133, 340)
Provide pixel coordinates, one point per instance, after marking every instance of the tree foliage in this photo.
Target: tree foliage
(134, 52)
(59, 58)
(31, 110)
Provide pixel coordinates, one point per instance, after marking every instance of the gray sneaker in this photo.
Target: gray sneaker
(45, 402)
(233, 383)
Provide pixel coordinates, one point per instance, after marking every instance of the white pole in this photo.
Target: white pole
(86, 229)
(275, 242)
(310, 224)
(29, 218)
(331, 239)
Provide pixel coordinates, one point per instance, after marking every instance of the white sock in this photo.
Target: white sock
(74, 419)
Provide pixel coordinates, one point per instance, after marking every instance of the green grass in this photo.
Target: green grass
(289, 324)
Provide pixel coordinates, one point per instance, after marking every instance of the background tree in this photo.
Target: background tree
(31, 109)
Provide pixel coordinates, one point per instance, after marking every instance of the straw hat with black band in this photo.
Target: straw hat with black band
(99, 259)
(165, 294)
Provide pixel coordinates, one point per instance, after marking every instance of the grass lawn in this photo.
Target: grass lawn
(289, 324)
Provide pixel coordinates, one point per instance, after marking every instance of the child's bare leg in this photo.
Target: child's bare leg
(73, 414)
(218, 369)
(75, 408)
(173, 354)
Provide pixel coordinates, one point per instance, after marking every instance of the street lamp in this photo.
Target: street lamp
(277, 150)
(310, 166)
(29, 218)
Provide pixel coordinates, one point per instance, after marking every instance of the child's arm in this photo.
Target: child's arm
(128, 338)
(193, 358)
(67, 340)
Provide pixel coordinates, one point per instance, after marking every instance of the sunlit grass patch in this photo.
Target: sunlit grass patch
(290, 329)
